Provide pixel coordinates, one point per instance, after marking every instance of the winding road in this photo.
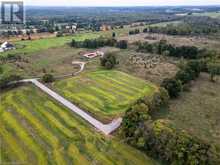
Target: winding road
(105, 128)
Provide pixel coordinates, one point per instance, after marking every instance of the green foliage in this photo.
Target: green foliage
(173, 86)
(163, 48)
(157, 100)
(108, 60)
(6, 79)
(214, 70)
(113, 34)
(93, 43)
(138, 113)
(190, 26)
(122, 44)
(48, 78)
(135, 31)
(177, 147)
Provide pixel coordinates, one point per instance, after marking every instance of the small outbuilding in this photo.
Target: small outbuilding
(6, 46)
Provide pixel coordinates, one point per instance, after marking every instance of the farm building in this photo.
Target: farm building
(6, 46)
(94, 54)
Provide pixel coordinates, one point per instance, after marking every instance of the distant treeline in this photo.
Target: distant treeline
(99, 42)
(194, 25)
(163, 48)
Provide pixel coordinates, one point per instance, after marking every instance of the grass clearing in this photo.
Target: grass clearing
(197, 111)
(104, 93)
(35, 129)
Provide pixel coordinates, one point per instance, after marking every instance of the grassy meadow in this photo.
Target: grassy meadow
(36, 130)
(29, 47)
(197, 110)
(103, 93)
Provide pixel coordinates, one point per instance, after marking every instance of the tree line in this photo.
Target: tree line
(190, 26)
(160, 139)
(99, 42)
(163, 48)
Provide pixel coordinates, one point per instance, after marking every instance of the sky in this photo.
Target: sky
(120, 2)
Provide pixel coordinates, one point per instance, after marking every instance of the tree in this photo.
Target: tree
(108, 61)
(113, 34)
(123, 44)
(73, 43)
(173, 86)
(213, 69)
(48, 78)
(5, 79)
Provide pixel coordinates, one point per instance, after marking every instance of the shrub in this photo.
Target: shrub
(213, 69)
(173, 86)
(108, 61)
(123, 44)
(138, 113)
(5, 80)
(177, 147)
(48, 78)
(157, 101)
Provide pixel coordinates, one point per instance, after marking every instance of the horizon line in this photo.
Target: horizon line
(202, 5)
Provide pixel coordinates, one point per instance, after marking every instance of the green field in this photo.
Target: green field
(28, 47)
(209, 14)
(105, 94)
(36, 130)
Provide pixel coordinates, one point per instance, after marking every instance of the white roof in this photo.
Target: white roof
(4, 45)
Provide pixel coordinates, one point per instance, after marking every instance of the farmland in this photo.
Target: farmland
(36, 130)
(104, 93)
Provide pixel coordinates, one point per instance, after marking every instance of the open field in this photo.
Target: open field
(209, 14)
(197, 111)
(36, 130)
(29, 47)
(150, 67)
(210, 42)
(106, 94)
(33, 46)
(163, 24)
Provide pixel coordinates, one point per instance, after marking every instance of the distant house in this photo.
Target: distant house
(6, 46)
(67, 27)
(105, 28)
(94, 54)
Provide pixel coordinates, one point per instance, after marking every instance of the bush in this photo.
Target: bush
(136, 114)
(214, 70)
(108, 61)
(177, 147)
(5, 80)
(123, 44)
(93, 43)
(48, 78)
(157, 101)
(173, 86)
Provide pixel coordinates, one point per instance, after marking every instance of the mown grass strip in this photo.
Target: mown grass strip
(43, 132)
(14, 148)
(23, 135)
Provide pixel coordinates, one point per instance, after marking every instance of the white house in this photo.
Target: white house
(6, 46)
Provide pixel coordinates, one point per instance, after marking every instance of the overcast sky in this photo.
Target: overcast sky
(119, 2)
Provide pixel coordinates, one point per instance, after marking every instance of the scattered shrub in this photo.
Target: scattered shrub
(48, 78)
(173, 86)
(123, 44)
(108, 61)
